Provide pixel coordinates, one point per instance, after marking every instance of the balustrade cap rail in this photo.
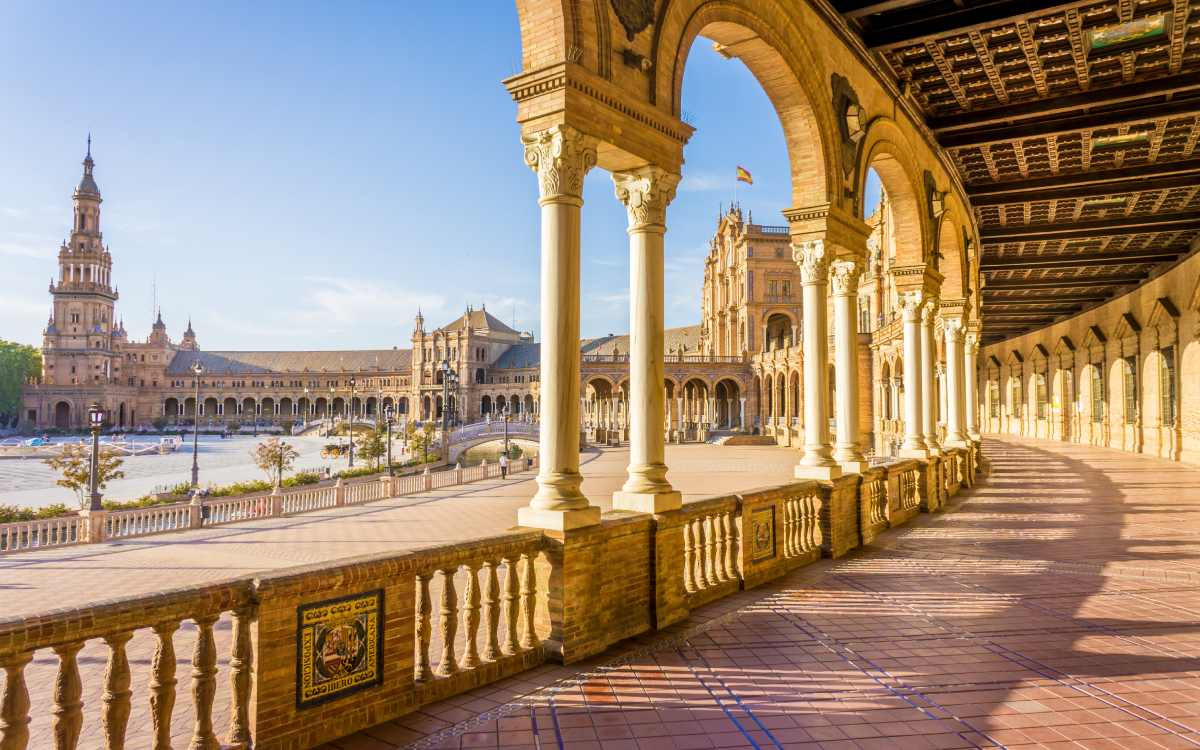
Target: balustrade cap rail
(98, 619)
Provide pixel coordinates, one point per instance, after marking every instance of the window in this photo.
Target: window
(1129, 371)
(993, 399)
(1098, 399)
(772, 288)
(1041, 395)
(1166, 387)
(1016, 397)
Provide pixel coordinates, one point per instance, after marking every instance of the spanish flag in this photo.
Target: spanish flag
(744, 176)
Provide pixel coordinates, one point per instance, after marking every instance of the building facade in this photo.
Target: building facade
(729, 372)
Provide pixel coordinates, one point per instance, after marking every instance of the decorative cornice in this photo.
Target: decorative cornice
(813, 261)
(561, 156)
(646, 192)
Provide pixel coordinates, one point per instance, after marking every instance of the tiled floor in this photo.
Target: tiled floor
(1058, 606)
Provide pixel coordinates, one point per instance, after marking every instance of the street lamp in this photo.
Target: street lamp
(308, 410)
(197, 371)
(445, 398)
(351, 433)
(95, 421)
(329, 411)
(388, 417)
(505, 413)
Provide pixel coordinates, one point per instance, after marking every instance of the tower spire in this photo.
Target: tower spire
(89, 149)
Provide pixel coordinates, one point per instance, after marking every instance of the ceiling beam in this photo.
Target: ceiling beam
(1183, 173)
(1144, 92)
(860, 8)
(1068, 124)
(1079, 261)
(1041, 298)
(898, 31)
(1068, 283)
(1118, 225)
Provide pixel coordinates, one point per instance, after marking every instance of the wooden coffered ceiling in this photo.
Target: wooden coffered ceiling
(1074, 127)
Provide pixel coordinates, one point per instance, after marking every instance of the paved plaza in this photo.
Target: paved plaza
(1055, 606)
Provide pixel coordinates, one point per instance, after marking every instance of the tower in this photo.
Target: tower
(78, 340)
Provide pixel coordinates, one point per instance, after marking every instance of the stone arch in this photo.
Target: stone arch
(230, 404)
(797, 394)
(121, 416)
(209, 408)
(885, 149)
(953, 264)
(485, 404)
(767, 41)
(62, 415)
(780, 327)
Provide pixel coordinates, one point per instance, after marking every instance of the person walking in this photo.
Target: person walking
(503, 465)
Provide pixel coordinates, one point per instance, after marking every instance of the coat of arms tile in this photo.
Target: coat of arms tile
(762, 534)
(339, 647)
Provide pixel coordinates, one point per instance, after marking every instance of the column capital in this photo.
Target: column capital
(813, 260)
(953, 328)
(561, 156)
(646, 192)
(929, 310)
(844, 274)
(972, 342)
(910, 303)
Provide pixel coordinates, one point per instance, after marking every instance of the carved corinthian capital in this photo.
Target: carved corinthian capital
(910, 304)
(561, 156)
(929, 311)
(813, 261)
(843, 277)
(646, 192)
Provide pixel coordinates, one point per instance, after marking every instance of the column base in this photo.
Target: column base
(647, 502)
(558, 520)
(824, 473)
(921, 453)
(956, 444)
(853, 467)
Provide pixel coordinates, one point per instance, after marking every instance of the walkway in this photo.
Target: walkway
(36, 582)
(1057, 607)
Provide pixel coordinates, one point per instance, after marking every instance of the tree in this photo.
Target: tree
(74, 464)
(420, 439)
(274, 457)
(371, 446)
(18, 364)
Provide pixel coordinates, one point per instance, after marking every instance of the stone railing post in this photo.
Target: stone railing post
(428, 479)
(276, 502)
(97, 525)
(196, 511)
(389, 486)
(339, 493)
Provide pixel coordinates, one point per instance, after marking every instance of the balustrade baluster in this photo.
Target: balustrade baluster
(14, 707)
(204, 683)
(470, 618)
(718, 549)
(709, 577)
(162, 684)
(449, 623)
(816, 536)
(116, 691)
(68, 688)
(727, 522)
(789, 527)
(528, 591)
(698, 556)
(511, 604)
(424, 627)
(491, 611)
(240, 664)
(689, 561)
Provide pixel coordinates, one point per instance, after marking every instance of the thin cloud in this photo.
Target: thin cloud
(703, 183)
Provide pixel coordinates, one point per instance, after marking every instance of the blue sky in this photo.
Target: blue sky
(295, 176)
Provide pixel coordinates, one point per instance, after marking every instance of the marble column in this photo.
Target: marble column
(646, 193)
(818, 461)
(844, 277)
(911, 305)
(742, 413)
(971, 384)
(928, 363)
(956, 436)
(561, 157)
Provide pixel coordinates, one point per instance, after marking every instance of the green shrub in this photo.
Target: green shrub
(358, 471)
(13, 513)
(241, 488)
(301, 478)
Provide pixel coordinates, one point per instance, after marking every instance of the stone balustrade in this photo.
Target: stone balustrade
(432, 623)
(159, 519)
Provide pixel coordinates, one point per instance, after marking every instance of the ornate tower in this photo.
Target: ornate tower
(189, 338)
(78, 341)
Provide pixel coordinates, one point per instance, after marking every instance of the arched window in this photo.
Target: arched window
(1098, 399)
(1166, 388)
(1040, 395)
(1129, 374)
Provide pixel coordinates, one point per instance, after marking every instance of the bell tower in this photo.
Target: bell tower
(78, 340)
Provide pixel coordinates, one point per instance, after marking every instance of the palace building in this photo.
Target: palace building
(729, 373)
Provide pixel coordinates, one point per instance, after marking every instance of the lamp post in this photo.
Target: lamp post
(388, 418)
(95, 421)
(505, 413)
(307, 408)
(351, 432)
(445, 399)
(197, 371)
